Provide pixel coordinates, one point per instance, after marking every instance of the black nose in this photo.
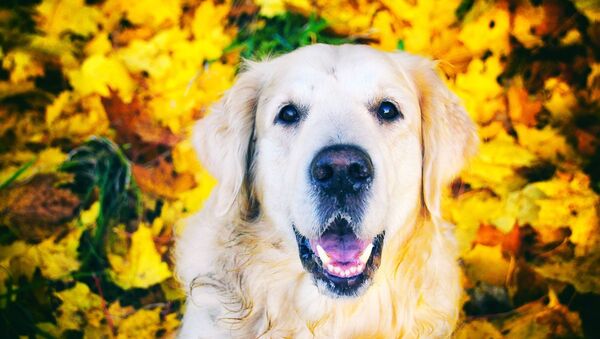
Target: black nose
(341, 169)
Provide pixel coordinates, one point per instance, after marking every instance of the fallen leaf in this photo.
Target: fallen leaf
(162, 180)
(134, 125)
(522, 108)
(79, 307)
(36, 209)
(141, 324)
(142, 266)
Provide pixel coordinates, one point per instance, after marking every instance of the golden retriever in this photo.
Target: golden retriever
(326, 219)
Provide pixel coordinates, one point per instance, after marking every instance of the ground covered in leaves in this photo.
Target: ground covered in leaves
(96, 169)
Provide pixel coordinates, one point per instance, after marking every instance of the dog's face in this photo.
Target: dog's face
(339, 159)
(332, 143)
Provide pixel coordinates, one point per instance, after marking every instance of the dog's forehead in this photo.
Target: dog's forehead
(351, 67)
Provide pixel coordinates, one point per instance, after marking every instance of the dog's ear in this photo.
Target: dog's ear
(224, 138)
(449, 136)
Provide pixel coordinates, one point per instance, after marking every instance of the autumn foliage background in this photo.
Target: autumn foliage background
(97, 172)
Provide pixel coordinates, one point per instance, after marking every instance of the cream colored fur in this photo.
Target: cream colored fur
(243, 276)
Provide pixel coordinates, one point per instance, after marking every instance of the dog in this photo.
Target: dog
(325, 222)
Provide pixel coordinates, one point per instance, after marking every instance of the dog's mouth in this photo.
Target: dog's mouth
(340, 261)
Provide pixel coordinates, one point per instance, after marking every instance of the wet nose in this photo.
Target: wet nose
(341, 169)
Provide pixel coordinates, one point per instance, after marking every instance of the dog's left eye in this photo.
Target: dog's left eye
(388, 111)
(288, 115)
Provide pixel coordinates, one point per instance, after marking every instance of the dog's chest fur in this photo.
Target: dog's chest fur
(261, 290)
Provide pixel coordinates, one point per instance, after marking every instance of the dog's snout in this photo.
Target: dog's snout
(341, 168)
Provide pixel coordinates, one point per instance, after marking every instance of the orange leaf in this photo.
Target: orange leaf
(134, 124)
(488, 235)
(162, 180)
(520, 107)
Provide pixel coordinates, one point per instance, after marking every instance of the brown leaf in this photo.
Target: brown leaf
(553, 18)
(36, 209)
(243, 8)
(560, 264)
(134, 124)
(147, 139)
(538, 320)
(162, 180)
(586, 142)
(533, 320)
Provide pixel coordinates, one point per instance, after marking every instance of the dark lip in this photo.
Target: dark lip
(336, 286)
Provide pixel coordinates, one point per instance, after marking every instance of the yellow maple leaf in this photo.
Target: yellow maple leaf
(526, 18)
(117, 312)
(479, 89)
(8, 252)
(425, 27)
(193, 199)
(494, 166)
(271, 8)
(468, 212)
(141, 324)
(171, 324)
(478, 328)
(184, 157)
(54, 110)
(79, 307)
(98, 74)
(58, 16)
(156, 56)
(208, 28)
(142, 266)
(46, 161)
(22, 65)
(88, 217)
(489, 24)
(57, 260)
(569, 201)
(189, 89)
(99, 44)
(383, 27)
(520, 207)
(71, 116)
(149, 13)
(348, 18)
(546, 143)
(561, 101)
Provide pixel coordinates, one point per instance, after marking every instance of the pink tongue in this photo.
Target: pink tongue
(342, 249)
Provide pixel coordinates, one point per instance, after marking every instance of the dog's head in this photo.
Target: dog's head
(338, 148)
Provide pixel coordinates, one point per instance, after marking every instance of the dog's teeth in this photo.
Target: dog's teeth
(366, 254)
(323, 255)
(347, 273)
(352, 269)
(330, 268)
(337, 270)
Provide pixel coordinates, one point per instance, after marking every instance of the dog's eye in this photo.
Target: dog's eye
(388, 111)
(288, 115)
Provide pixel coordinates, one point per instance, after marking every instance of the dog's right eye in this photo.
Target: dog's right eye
(288, 115)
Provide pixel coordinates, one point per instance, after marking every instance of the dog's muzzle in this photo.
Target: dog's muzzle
(341, 176)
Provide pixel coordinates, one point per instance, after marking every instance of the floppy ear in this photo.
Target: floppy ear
(224, 138)
(448, 135)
